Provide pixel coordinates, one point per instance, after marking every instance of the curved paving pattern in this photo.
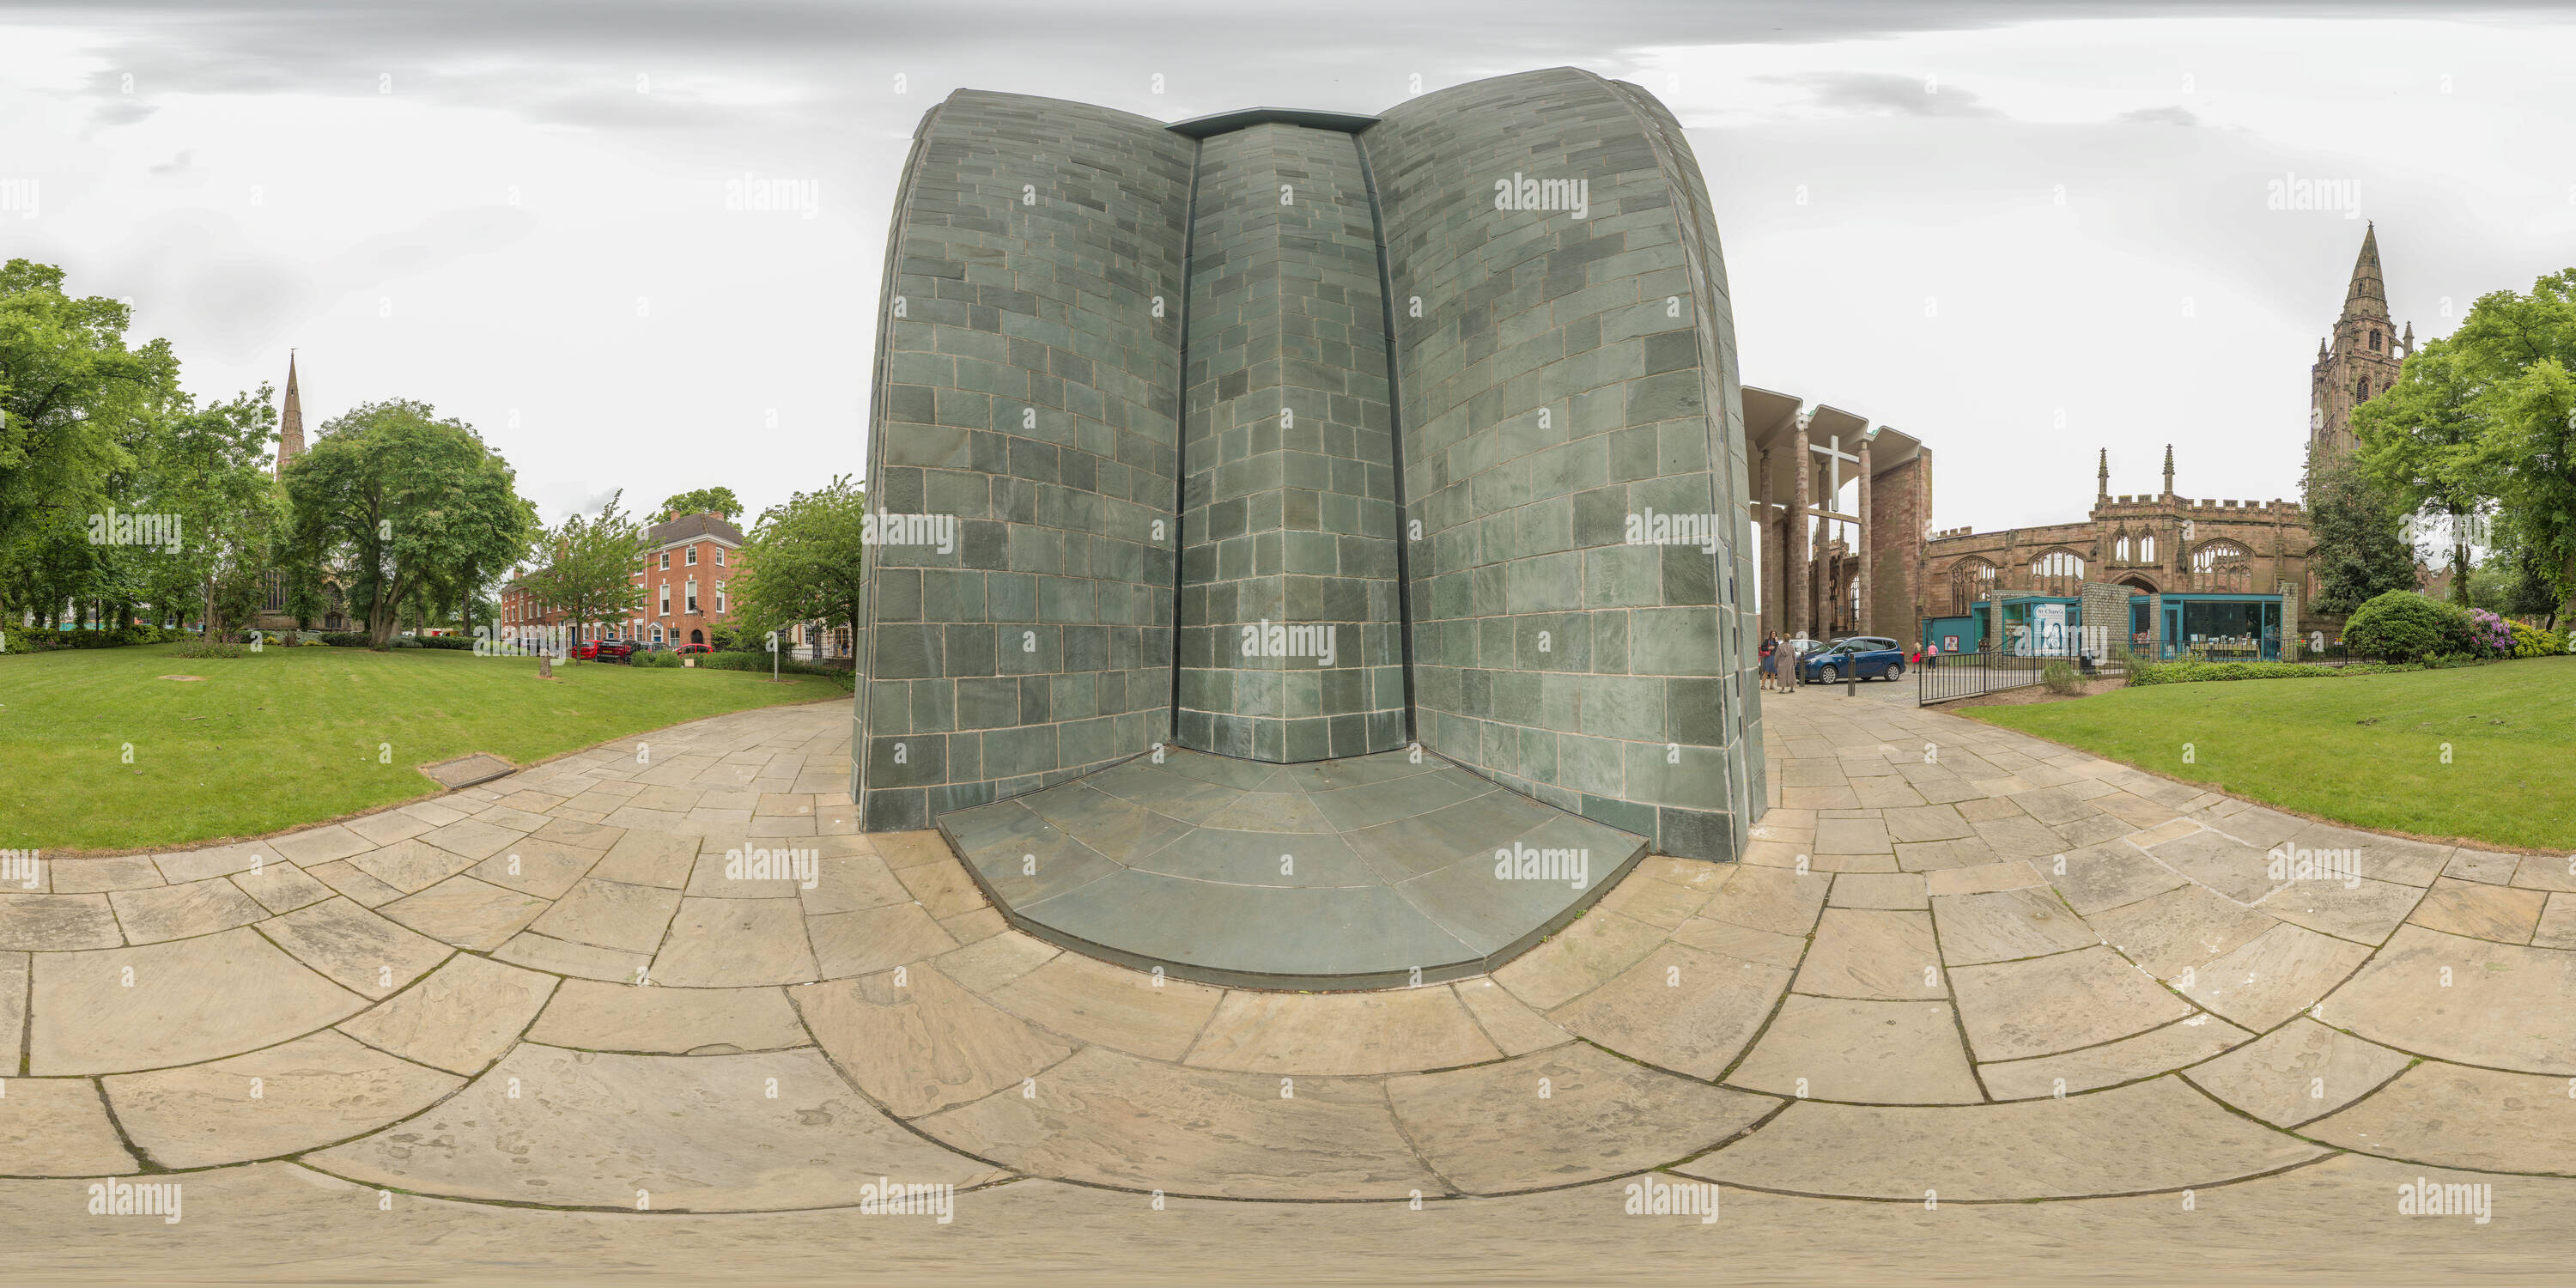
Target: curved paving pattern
(1957, 961)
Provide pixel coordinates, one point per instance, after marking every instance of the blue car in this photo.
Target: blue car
(1862, 656)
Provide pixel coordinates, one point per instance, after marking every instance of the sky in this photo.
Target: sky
(2022, 232)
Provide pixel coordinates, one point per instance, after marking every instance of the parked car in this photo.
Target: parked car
(686, 649)
(1860, 656)
(604, 651)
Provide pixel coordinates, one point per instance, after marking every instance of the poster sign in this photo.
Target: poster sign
(2048, 629)
(1949, 643)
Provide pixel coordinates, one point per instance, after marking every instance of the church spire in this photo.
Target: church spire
(2367, 295)
(2103, 491)
(2168, 469)
(290, 420)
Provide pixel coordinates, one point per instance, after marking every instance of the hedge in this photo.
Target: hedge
(2187, 672)
(786, 666)
(39, 639)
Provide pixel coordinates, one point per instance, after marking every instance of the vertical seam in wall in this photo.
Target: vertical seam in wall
(1395, 438)
(1181, 436)
(863, 676)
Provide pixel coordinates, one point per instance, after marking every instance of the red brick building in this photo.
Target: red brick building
(687, 569)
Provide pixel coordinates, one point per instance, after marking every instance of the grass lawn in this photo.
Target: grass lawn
(2366, 750)
(290, 736)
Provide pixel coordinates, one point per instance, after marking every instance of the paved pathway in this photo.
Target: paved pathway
(1958, 963)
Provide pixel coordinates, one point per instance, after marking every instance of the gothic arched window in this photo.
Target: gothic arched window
(2361, 390)
(2222, 565)
(2147, 548)
(2120, 549)
(1971, 579)
(2059, 572)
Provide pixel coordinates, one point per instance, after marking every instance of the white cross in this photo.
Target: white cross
(1834, 457)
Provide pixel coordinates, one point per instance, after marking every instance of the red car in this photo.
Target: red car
(686, 649)
(604, 651)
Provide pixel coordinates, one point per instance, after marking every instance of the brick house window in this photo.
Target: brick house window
(692, 598)
(666, 561)
(657, 634)
(720, 599)
(691, 557)
(720, 557)
(666, 602)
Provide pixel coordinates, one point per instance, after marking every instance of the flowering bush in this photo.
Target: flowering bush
(2489, 635)
(2531, 641)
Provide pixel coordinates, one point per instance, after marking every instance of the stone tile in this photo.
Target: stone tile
(388, 827)
(1680, 1008)
(460, 1018)
(923, 1043)
(59, 1127)
(322, 844)
(1508, 1022)
(2020, 838)
(579, 833)
(2238, 871)
(989, 963)
(2275, 976)
(213, 861)
(2556, 872)
(2015, 1010)
(2159, 1050)
(600, 1016)
(466, 912)
(1881, 956)
(544, 869)
(2006, 924)
(1093, 1001)
(1741, 942)
(1582, 957)
(2151, 1136)
(1657, 903)
(411, 866)
(2299, 1071)
(650, 858)
(13, 1010)
(2013, 874)
(1894, 891)
(694, 1133)
(160, 913)
(1561, 1117)
(312, 1091)
(875, 939)
(610, 914)
(1928, 823)
(354, 948)
(2183, 929)
(191, 1000)
(2557, 927)
(1890, 1053)
(1396, 1031)
(850, 883)
(2449, 1115)
(735, 943)
(2098, 878)
(1106, 1118)
(356, 883)
(473, 838)
(1781, 902)
(966, 928)
(98, 876)
(2485, 1015)
(281, 887)
(2482, 866)
(1853, 836)
(943, 888)
(1936, 856)
(56, 922)
(2505, 915)
(2365, 911)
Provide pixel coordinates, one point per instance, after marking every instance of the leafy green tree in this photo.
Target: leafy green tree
(403, 500)
(589, 568)
(705, 500)
(2424, 441)
(2360, 549)
(209, 467)
(801, 562)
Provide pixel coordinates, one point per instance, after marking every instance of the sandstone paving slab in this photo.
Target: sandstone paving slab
(2006, 924)
(56, 922)
(214, 861)
(852, 883)
(411, 866)
(357, 883)
(1939, 856)
(2451, 1115)
(1108, 1118)
(1772, 899)
(2098, 878)
(2380, 857)
(735, 943)
(2554, 872)
(2505, 1005)
(690, 1133)
(2499, 913)
(546, 869)
(2011, 874)
(1741, 941)
(2020, 838)
(1583, 956)
(995, 960)
(579, 832)
(918, 1042)
(388, 827)
(649, 858)
(474, 838)
(1679, 1008)
(2157, 1135)
(355, 948)
(1891, 891)
(578, 961)
(313, 1091)
(59, 1127)
(970, 927)
(2231, 867)
(98, 876)
(943, 888)
(2276, 975)
(13, 1009)
(2092, 829)
(191, 1000)
(1853, 836)
(1562, 1116)
(282, 887)
(1864, 953)
(1657, 903)
(1394, 1031)
(610, 914)
(158, 913)
(596, 1015)
(875, 939)
(2045, 1005)
(466, 913)
(1093, 1001)
(322, 844)
(2183, 929)
(2299, 1071)
(2158, 1050)
(2557, 927)
(2360, 909)
(1888, 1053)
(459, 1018)
(2484, 866)
(1508, 1022)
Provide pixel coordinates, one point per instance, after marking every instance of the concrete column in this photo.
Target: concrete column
(1868, 603)
(1798, 553)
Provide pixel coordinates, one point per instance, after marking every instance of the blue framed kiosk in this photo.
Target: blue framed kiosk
(2225, 627)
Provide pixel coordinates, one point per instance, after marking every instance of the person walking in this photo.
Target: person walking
(1770, 663)
(1931, 654)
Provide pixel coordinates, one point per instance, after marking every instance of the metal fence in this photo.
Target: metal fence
(1966, 675)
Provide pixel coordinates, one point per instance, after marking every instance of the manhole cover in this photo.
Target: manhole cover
(465, 771)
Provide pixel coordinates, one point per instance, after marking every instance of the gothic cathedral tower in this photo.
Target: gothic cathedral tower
(2360, 360)
(290, 421)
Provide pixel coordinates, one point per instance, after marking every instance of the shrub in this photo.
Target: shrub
(445, 641)
(2532, 641)
(2061, 679)
(345, 639)
(2489, 635)
(656, 659)
(2402, 626)
(2194, 672)
(786, 666)
(403, 641)
(200, 648)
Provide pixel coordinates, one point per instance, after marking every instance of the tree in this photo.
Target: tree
(2424, 442)
(801, 562)
(209, 466)
(2360, 550)
(705, 500)
(403, 500)
(589, 569)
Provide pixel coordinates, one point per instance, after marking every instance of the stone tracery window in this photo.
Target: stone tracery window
(2222, 565)
(2059, 572)
(1971, 579)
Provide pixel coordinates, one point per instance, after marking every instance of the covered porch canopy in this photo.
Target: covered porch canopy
(1804, 460)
